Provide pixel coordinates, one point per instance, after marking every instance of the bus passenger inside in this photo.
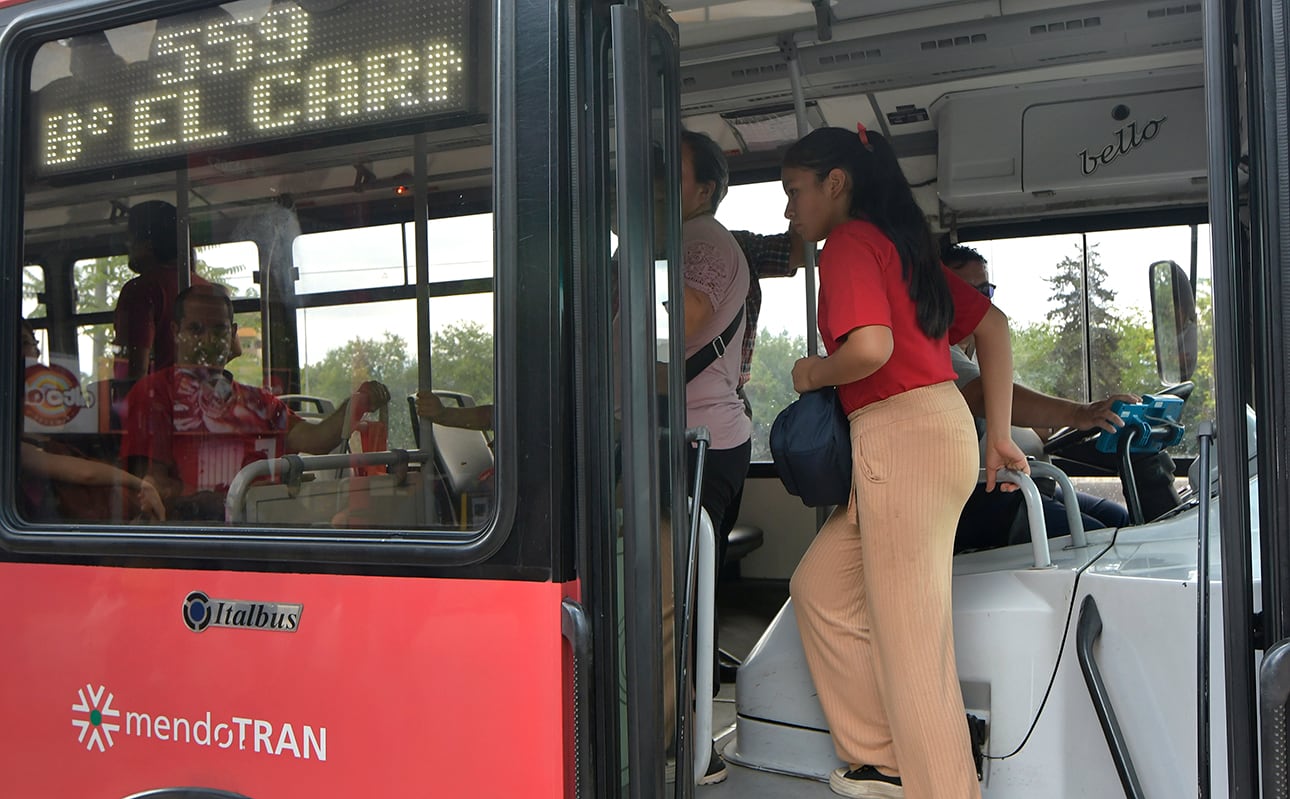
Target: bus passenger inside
(57, 483)
(993, 519)
(474, 417)
(191, 427)
(143, 309)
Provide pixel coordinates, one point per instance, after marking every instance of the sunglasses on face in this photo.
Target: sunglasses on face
(987, 289)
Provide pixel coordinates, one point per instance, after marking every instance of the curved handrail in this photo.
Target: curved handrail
(1034, 513)
(293, 466)
(1074, 519)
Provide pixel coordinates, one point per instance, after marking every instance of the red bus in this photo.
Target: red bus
(343, 598)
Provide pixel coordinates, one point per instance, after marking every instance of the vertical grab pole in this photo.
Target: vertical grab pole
(1206, 437)
(421, 232)
(421, 246)
(808, 252)
(700, 598)
(803, 128)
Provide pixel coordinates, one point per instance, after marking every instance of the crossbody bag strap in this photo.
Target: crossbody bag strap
(696, 363)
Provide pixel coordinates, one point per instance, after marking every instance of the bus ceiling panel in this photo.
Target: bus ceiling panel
(905, 110)
(1108, 142)
(858, 60)
(716, 25)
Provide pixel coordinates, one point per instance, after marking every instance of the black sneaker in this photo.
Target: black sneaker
(865, 782)
(716, 769)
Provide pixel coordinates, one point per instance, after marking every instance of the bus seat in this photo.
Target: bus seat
(463, 457)
(309, 407)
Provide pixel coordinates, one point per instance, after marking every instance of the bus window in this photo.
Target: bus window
(1040, 285)
(282, 151)
(781, 324)
(342, 346)
(33, 291)
(461, 248)
(351, 259)
(230, 263)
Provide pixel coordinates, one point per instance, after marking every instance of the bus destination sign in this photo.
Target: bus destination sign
(216, 79)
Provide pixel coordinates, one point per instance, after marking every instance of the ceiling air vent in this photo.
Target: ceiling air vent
(1193, 42)
(859, 86)
(758, 72)
(952, 41)
(1068, 25)
(854, 57)
(1069, 56)
(965, 71)
(768, 98)
(1173, 11)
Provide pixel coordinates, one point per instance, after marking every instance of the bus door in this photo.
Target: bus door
(638, 554)
(214, 579)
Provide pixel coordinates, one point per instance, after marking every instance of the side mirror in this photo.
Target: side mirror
(1173, 320)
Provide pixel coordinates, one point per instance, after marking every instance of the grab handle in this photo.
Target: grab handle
(1074, 519)
(234, 502)
(1034, 513)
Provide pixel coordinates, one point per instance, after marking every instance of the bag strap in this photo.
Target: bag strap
(696, 363)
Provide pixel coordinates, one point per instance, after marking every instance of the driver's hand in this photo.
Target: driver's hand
(1099, 414)
(1003, 453)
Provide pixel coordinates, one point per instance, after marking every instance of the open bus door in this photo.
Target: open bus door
(433, 642)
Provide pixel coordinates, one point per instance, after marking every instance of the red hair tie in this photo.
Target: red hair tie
(864, 136)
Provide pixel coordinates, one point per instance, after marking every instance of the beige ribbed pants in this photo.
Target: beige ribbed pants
(872, 595)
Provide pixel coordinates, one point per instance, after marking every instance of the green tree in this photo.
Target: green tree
(463, 360)
(1136, 354)
(1068, 324)
(1033, 361)
(1201, 406)
(770, 385)
(345, 368)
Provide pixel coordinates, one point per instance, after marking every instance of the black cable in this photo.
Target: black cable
(1070, 612)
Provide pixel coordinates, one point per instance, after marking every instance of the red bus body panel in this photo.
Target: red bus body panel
(388, 686)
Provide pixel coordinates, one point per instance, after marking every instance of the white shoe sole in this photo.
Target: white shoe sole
(713, 779)
(866, 789)
(669, 775)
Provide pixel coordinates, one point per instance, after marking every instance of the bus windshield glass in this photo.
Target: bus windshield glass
(258, 265)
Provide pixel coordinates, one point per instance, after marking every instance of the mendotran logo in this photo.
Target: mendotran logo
(98, 720)
(201, 611)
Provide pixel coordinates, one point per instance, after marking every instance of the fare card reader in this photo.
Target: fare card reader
(1154, 422)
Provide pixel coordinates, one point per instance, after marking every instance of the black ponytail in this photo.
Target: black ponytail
(881, 195)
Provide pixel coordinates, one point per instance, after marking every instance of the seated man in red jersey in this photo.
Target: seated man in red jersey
(191, 427)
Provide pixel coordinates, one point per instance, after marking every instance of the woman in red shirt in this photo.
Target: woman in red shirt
(872, 594)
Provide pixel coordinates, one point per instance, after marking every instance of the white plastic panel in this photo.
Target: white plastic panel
(1044, 146)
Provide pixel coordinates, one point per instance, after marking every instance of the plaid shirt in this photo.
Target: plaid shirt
(767, 256)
